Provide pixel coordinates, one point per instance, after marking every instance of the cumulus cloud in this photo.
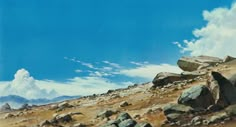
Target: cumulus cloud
(24, 85)
(149, 71)
(217, 38)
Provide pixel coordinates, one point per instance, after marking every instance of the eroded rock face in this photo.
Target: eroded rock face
(223, 90)
(194, 63)
(197, 97)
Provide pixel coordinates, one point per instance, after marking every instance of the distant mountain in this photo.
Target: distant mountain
(16, 101)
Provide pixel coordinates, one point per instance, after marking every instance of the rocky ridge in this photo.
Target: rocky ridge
(202, 95)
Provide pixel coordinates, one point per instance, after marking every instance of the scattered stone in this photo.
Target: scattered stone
(197, 97)
(25, 107)
(196, 120)
(124, 104)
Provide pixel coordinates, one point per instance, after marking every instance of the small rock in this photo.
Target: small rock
(79, 125)
(45, 123)
(124, 104)
(9, 115)
(106, 114)
(123, 116)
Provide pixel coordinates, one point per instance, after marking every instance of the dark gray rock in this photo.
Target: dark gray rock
(45, 123)
(143, 125)
(222, 90)
(123, 116)
(197, 97)
(106, 114)
(128, 123)
(63, 118)
(124, 104)
(194, 63)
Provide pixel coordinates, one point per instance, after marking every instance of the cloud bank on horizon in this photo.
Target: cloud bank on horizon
(217, 38)
(97, 81)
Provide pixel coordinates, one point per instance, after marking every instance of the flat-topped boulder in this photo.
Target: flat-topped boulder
(164, 78)
(197, 62)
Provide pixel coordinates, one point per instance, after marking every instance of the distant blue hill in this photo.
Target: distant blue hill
(16, 101)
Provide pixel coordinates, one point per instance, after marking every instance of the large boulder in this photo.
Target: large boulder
(222, 89)
(5, 108)
(194, 63)
(165, 78)
(228, 59)
(198, 96)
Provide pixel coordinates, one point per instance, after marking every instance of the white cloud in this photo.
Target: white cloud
(149, 71)
(24, 85)
(78, 71)
(81, 85)
(218, 37)
(112, 64)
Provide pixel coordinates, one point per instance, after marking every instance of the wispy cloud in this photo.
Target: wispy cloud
(112, 64)
(149, 71)
(217, 38)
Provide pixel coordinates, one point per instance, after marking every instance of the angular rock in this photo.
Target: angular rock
(25, 107)
(5, 108)
(165, 78)
(197, 97)
(228, 59)
(222, 90)
(193, 63)
(123, 116)
(127, 123)
(191, 75)
(62, 118)
(124, 104)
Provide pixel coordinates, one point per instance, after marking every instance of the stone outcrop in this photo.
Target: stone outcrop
(222, 89)
(228, 59)
(197, 62)
(5, 108)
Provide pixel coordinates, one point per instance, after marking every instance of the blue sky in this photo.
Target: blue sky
(54, 38)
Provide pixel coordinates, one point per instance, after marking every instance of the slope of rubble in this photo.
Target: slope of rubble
(204, 95)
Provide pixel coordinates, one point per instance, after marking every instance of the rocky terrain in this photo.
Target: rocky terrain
(204, 94)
